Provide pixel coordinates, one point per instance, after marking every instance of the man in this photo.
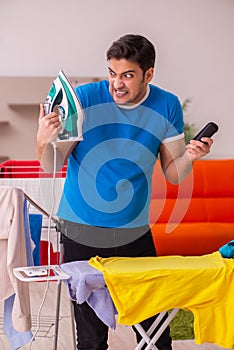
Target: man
(105, 203)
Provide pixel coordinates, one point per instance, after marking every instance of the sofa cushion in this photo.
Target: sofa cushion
(191, 238)
(192, 210)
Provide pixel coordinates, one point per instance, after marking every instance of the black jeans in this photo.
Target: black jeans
(92, 333)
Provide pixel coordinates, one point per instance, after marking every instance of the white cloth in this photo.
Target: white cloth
(13, 254)
(40, 190)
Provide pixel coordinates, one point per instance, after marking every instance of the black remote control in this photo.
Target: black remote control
(208, 130)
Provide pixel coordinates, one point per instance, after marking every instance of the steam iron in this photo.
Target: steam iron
(71, 114)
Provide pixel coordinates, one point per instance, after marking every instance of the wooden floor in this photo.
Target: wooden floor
(122, 338)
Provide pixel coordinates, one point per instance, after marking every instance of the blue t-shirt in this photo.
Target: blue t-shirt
(108, 181)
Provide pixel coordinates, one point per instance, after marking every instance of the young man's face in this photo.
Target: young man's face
(128, 84)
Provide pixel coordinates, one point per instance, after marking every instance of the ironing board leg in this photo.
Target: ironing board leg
(57, 315)
(146, 334)
(145, 338)
(55, 345)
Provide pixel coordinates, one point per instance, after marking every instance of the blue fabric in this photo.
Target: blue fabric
(35, 222)
(32, 226)
(16, 339)
(27, 234)
(109, 174)
(227, 250)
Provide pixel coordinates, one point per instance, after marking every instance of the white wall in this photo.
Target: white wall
(193, 38)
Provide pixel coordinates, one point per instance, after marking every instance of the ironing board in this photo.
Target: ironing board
(202, 284)
(88, 284)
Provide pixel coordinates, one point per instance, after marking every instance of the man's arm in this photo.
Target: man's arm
(49, 127)
(177, 158)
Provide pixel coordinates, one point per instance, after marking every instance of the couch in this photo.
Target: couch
(197, 216)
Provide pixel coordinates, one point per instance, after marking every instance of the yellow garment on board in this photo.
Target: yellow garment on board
(143, 287)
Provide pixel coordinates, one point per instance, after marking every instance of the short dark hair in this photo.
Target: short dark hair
(135, 48)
